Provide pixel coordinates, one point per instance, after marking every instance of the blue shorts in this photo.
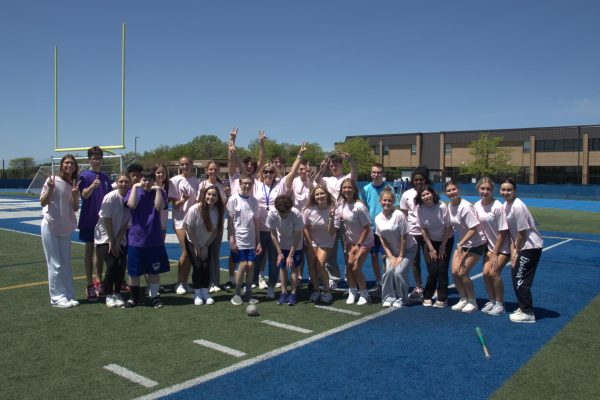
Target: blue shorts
(147, 260)
(297, 258)
(377, 248)
(86, 235)
(245, 255)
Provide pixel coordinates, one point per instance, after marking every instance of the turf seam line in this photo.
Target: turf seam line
(263, 357)
(286, 326)
(220, 347)
(130, 375)
(339, 310)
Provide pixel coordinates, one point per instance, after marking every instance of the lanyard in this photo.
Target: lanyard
(268, 195)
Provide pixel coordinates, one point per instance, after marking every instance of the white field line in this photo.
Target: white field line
(221, 348)
(479, 275)
(340, 310)
(130, 375)
(251, 361)
(286, 326)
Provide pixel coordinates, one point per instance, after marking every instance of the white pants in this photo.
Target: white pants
(60, 272)
(395, 281)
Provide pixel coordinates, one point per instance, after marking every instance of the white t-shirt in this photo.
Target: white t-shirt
(205, 184)
(334, 184)
(58, 213)
(193, 220)
(317, 223)
(113, 207)
(179, 185)
(392, 229)
(463, 218)
(520, 219)
(356, 216)
(493, 220)
(286, 227)
(300, 192)
(265, 195)
(436, 219)
(243, 211)
(407, 203)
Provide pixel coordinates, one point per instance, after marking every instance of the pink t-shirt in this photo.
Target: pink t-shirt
(407, 203)
(463, 218)
(180, 185)
(58, 213)
(493, 220)
(392, 229)
(435, 219)
(113, 207)
(205, 184)
(194, 221)
(520, 219)
(317, 222)
(300, 192)
(356, 216)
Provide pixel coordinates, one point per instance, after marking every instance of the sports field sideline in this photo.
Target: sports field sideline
(335, 354)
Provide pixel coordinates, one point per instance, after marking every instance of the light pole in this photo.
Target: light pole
(135, 145)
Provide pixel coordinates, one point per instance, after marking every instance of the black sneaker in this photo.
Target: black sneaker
(229, 285)
(129, 304)
(156, 302)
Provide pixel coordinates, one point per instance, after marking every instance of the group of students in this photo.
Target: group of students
(274, 221)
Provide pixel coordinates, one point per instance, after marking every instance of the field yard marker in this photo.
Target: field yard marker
(262, 357)
(221, 348)
(130, 375)
(286, 326)
(340, 310)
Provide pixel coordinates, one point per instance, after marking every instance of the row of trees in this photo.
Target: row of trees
(487, 158)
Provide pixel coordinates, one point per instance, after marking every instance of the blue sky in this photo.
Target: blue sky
(300, 70)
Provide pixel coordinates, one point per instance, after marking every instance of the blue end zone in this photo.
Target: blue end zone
(419, 352)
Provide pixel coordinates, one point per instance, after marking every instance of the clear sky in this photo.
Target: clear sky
(300, 70)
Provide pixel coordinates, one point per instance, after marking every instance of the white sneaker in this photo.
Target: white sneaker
(315, 297)
(198, 301)
(326, 298)
(262, 284)
(63, 304)
(180, 290)
(214, 289)
(119, 300)
(363, 299)
(388, 302)
(74, 303)
(278, 285)
(487, 307)
(110, 301)
(460, 305)
(206, 297)
(427, 303)
(470, 306)
(440, 304)
(497, 310)
(398, 303)
(332, 284)
(351, 298)
(270, 293)
(520, 316)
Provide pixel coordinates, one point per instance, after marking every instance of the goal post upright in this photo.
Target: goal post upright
(57, 148)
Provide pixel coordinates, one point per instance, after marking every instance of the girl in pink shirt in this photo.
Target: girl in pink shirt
(60, 200)
(359, 239)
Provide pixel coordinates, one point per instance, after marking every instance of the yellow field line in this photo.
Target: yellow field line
(26, 285)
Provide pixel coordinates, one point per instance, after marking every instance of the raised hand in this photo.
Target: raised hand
(262, 136)
(51, 183)
(96, 182)
(233, 134)
(302, 148)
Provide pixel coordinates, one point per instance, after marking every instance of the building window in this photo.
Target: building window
(549, 146)
(594, 144)
(386, 150)
(413, 149)
(448, 148)
(526, 146)
(375, 150)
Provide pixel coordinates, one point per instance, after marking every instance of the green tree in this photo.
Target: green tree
(488, 159)
(362, 153)
(24, 165)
